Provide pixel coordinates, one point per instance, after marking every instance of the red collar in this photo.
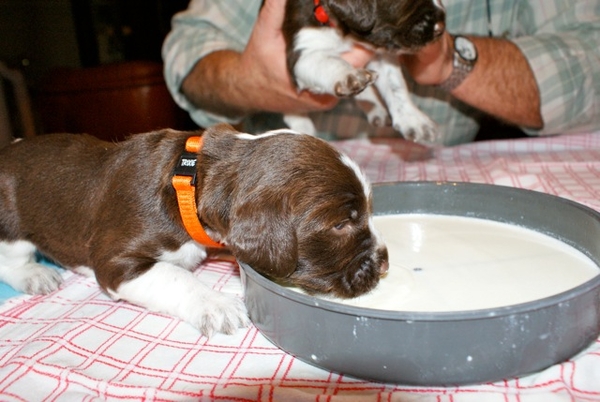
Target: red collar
(184, 182)
(320, 13)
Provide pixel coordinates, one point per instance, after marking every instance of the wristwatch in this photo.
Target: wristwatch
(465, 57)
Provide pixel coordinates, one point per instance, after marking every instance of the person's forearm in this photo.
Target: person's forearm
(211, 85)
(229, 84)
(502, 84)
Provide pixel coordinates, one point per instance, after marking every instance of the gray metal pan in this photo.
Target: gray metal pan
(443, 348)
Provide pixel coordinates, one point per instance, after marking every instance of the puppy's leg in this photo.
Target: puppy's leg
(170, 289)
(376, 111)
(320, 68)
(19, 269)
(406, 117)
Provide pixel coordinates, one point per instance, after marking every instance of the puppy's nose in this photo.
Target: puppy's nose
(439, 29)
(383, 269)
(382, 257)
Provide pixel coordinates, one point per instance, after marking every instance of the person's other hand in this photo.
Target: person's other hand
(432, 64)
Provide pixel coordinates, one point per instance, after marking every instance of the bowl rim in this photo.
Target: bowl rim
(463, 315)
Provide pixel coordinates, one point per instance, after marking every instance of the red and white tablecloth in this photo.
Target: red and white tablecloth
(78, 345)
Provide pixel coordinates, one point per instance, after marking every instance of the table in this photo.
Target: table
(77, 344)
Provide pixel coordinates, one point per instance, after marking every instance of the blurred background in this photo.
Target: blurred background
(94, 66)
(85, 66)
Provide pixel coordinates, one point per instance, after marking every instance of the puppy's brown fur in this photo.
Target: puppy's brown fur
(289, 205)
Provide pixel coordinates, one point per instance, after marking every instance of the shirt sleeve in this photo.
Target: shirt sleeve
(204, 27)
(563, 50)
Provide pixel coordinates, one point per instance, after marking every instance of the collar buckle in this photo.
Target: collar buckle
(186, 166)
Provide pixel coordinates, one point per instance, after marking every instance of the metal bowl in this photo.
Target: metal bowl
(443, 348)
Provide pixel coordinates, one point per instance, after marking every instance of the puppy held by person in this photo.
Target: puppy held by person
(318, 32)
(139, 215)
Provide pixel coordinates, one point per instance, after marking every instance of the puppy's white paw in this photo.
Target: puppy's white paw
(377, 115)
(372, 104)
(354, 83)
(414, 125)
(219, 312)
(170, 289)
(35, 279)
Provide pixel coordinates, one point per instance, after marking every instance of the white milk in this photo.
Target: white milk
(444, 263)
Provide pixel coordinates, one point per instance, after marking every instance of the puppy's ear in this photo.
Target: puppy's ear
(357, 15)
(264, 238)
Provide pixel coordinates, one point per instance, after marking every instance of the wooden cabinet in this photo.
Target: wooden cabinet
(110, 101)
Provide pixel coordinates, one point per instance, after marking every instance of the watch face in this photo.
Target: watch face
(465, 48)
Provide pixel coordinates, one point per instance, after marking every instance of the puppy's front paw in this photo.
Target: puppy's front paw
(170, 289)
(354, 83)
(377, 115)
(35, 279)
(219, 313)
(416, 126)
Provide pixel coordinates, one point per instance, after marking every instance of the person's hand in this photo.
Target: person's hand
(432, 64)
(264, 62)
(359, 56)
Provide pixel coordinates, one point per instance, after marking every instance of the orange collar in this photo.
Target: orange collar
(184, 182)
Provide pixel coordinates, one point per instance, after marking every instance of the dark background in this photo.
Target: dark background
(39, 35)
(89, 66)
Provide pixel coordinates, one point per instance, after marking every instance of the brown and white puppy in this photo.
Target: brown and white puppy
(288, 204)
(317, 32)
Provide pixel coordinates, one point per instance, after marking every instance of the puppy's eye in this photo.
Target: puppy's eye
(341, 225)
(346, 222)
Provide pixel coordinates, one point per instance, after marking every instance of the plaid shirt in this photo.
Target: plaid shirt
(559, 38)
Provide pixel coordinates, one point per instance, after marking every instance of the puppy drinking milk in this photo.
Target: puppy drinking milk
(288, 204)
(317, 32)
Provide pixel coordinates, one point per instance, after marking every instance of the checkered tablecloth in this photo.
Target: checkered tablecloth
(77, 345)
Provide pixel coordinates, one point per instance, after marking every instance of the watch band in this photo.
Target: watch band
(458, 75)
(461, 68)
